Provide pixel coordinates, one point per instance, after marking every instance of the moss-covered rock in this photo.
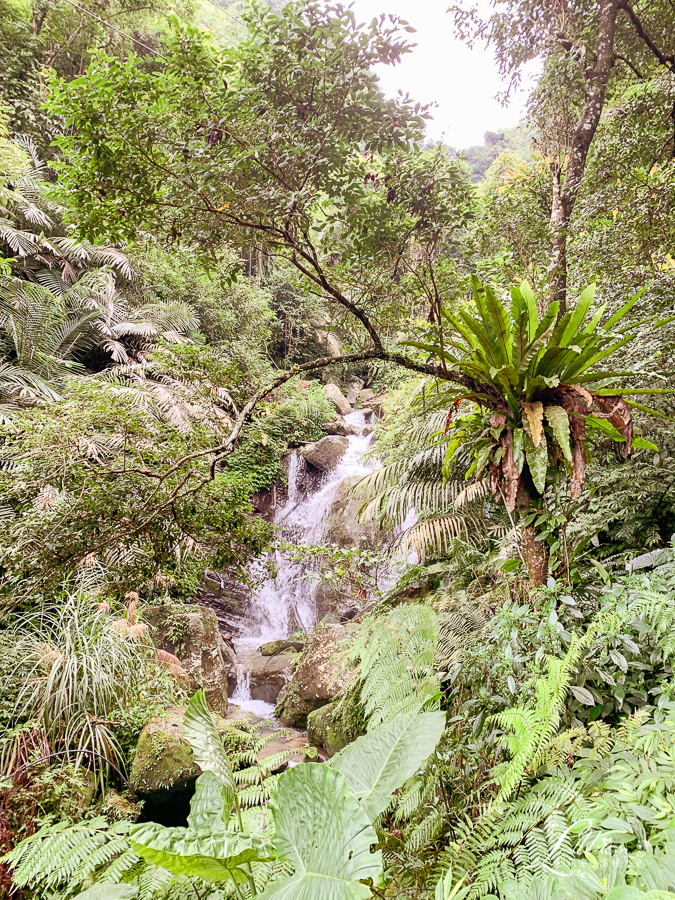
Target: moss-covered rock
(191, 633)
(272, 648)
(328, 730)
(317, 678)
(164, 760)
(117, 808)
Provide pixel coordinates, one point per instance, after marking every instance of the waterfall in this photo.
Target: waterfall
(285, 602)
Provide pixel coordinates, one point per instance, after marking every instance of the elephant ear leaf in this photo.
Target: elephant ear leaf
(213, 856)
(202, 735)
(324, 833)
(379, 762)
(207, 807)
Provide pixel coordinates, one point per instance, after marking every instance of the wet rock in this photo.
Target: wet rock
(268, 674)
(191, 633)
(344, 527)
(338, 399)
(272, 648)
(368, 429)
(375, 402)
(342, 428)
(365, 396)
(316, 680)
(326, 453)
(353, 391)
(328, 730)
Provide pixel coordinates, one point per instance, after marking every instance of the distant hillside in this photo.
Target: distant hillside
(481, 156)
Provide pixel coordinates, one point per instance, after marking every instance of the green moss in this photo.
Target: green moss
(328, 730)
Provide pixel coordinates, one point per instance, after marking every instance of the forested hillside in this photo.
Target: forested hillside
(337, 471)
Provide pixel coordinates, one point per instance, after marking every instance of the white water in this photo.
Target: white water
(285, 603)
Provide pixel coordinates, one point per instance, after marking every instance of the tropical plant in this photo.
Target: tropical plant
(444, 508)
(539, 392)
(322, 835)
(77, 672)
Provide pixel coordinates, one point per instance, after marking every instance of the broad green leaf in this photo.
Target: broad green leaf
(537, 460)
(201, 733)
(212, 855)
(324, 833)
(578, 315)
(207, 807)
(560, 424)
(379, 762)
(495, 320)
(643, 444)
(110, 892)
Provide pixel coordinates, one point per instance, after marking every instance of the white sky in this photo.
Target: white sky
(441, 68)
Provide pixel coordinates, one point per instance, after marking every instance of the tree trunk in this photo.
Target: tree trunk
(565, 195)
(536, 556)
(536, 552)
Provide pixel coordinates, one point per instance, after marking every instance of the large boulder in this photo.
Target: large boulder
(353, 391)
(268, 674)
(191, 633)
(338, 399)
(328, 730)
(342, 428)
(326, 453)
(344, 527)
(317, 678)
(163, 759)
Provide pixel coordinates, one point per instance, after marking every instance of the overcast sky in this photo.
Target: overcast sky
(442, 69)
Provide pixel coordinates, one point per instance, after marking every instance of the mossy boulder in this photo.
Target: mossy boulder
(273, 648)
(328, 730)
(317, 678)
(117, 808)
(191, 633)
(268, 674)
(164, 760)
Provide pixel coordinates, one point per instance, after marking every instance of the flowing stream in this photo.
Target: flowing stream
(285, 602)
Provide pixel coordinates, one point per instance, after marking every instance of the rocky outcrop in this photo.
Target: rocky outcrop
(369, 400)
(342, 428)
(344, 527)
(268, 674)
(191, 633)
(353, 391)
(327, 730)
(326, 453)
(338, 399)
(117, 808)
(317, 678)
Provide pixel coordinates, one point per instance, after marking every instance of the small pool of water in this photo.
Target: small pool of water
(257, 707)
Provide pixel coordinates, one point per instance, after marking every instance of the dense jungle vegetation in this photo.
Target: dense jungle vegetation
(208, 213)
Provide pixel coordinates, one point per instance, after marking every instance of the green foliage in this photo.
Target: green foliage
(396, 654)
(78, 672)
(380, 761)
(324, 833)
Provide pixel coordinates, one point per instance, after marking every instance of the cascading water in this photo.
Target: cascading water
(285, 602)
